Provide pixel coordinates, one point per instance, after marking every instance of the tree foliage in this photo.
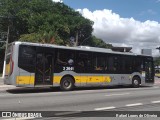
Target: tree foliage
(94, 41)
(47, 22)
(157, 61)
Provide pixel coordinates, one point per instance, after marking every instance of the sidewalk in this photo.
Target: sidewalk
(1, 81)
(5, 87)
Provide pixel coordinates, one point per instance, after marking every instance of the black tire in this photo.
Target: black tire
(135, 82)
(67, 84)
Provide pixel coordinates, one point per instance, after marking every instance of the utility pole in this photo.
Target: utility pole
(4, 64)
(7, 41)
(76, 42)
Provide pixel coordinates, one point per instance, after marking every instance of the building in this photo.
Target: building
(146, 52)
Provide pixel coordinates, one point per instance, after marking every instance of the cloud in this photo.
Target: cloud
(58, 1)
(119, 31)
(148, 12)
(152, 12)
(157, 1)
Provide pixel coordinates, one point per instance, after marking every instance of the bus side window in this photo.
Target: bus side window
(27, 58)
(138, 65)
(106, 64)
(81, 63)
(84, 61)
(59, 60)
(111, 64)
(127, 64)
(65, 57)
(99, 62)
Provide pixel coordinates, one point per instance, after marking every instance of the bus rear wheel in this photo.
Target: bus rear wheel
(135, 82)
(67, 84)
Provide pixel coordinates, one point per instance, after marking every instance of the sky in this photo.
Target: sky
(125, 23)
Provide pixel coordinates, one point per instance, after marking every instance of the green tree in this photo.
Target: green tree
(157, 61)
(96, 42)
(45, 21)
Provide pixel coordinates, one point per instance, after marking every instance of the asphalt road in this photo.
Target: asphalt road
(81, 99)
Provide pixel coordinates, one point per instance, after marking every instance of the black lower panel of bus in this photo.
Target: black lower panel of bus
(43, 74)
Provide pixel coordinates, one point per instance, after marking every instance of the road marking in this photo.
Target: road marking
(118, 94)
(136, 89)
(135, 104)
(25, 118)
(105, 108)
(67, 113)
(155, 101)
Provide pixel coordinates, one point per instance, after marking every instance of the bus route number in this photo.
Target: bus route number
(68, 68)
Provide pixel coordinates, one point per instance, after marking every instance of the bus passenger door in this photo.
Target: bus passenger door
(44, 69)
(149, 71)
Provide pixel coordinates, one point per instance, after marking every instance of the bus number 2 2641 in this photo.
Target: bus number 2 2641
(68, 68)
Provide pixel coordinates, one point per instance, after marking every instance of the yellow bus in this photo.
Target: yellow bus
(45, 65)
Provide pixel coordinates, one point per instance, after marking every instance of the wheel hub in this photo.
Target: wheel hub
(67, 83)
(136, 82)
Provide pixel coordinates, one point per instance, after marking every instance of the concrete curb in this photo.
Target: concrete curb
(4, 88)
(8, 86)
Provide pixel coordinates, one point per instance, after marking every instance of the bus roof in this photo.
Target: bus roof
(81, 48)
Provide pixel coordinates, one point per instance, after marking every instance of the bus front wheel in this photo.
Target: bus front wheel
(67, 83)
(135, 82)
